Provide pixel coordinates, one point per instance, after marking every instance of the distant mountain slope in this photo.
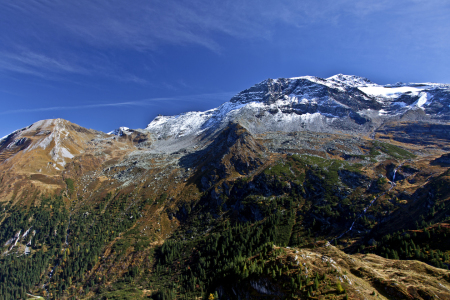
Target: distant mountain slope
(338, 103)
(41, 157)
(56, 140)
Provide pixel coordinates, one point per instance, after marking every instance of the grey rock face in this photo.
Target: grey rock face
(340, 103)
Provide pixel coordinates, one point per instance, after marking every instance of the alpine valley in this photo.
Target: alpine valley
(297, 188)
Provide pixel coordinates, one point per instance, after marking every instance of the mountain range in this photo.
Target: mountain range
(295, 188)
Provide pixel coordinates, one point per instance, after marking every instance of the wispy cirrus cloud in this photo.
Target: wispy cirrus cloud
(36, 64)
(139, 103)
(27, 62)
(47, 37)
(70, 37)
(139, 25)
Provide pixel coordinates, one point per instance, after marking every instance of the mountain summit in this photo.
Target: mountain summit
(340, 103)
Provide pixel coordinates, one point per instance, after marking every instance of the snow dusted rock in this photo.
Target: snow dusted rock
(343, 103)
(47, 134)
(121, 131)
(193, 122)
(56, 140)
(350, 80)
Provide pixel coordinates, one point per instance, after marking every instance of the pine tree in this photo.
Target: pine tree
(316, 284)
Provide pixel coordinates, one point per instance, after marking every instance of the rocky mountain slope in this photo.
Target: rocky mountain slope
(223, 201)
(340, 103)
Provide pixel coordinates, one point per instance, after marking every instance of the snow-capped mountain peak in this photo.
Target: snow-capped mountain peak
(121, 131)
(56, 140)
(344, 103)
(351, 80)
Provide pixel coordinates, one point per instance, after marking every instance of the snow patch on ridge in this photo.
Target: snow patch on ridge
(58, 133)
(191, 122)
(391, 92)
(422, 100)
(39, 124)
(121, 131)
(59, 152)
(65, 153)
(351, 80)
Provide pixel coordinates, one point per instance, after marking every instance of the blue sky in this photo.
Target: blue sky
(107, 63)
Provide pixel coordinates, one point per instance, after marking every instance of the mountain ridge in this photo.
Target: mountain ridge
(339, 103)
(308, 99)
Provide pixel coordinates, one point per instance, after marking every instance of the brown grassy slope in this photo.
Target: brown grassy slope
(369, 276)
